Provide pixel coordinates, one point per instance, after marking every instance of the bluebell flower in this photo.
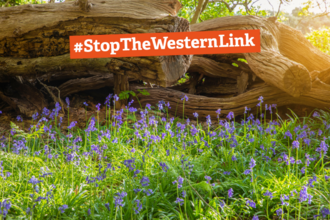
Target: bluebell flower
(164, 167)
(72, 125)
(279, 212)
(148, 192)
(252, 163)
(316, 114)
(19, 118)
(184, 194)
(145, 181)
(67, 100)
(230, 193)
(267, 193)
(62, 208)
(230, 115)
(119, 199)
(179, 200)
(138, 206)
(325, 212)
(255, 217)
(107, 206)
(288, 134)
(195, 114)
(208, 179)
(295, 144)
(251, 203)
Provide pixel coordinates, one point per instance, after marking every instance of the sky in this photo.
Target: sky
(285, 7)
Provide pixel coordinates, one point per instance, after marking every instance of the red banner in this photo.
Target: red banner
(164, 44)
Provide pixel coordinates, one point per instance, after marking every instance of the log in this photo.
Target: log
(21, 106)
(68, 75)
(207, 106)
(28, 47)
(276, 65)
(121, 84)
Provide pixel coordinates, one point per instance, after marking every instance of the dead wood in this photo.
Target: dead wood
(207, 106)
(285, 57)
(35, 48)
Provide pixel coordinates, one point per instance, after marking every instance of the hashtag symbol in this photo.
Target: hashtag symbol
(78, 47)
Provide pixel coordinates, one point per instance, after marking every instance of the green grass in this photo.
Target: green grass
(189, 152)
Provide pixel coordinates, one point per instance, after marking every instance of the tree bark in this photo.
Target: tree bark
(120, 84)
(35, 48)
(207, 106)
(285, 58)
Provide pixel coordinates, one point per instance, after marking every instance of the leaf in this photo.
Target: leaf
(235, 64)
(242, 60)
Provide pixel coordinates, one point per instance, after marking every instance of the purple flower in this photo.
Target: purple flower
(288, 134)
(184, 194)
(247, 172)
(208, 120)
(316, 114)
(138, 206)
(107, 206)
(295, 144)
(255, 217)
(85, 104)
(233, 158)
(119, 199)
(218, 112)
(179, 182)
(325, 212)
(230, 115)
(251, 203)
(62, 208)
(98, 107)
(179, 200)
(267, 193)
(261, 99)
(72, 125)
(184, 97)
(279, 212)
(148, 106)
(230, 193)
(67, 100)
(323, 148)
(195, 114)
(0, 112)
(115, 98)
(252, 163)
(164, 167)
(34, 181)
(145, 181)
(208, 179)
(303, 195)
(35, 116)
(19, 118)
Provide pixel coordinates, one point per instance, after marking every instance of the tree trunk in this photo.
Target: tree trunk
(28, 47)
(207, 106)
(285, 58)
(120, 84)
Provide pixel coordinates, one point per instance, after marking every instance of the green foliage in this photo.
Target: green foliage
(320, 39)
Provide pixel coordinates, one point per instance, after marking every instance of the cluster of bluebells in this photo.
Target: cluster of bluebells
(151, 131)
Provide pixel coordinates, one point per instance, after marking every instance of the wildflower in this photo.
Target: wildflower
(164, 167)
(85, 104)
(98, 107)
(303, 195)
(218, 112)
(323, 148)
(208, 179)
(230, 115)
(208, 120)
(107, 206)
(195, 114)
(252, 163)
(255, 217)
(233, 158)
(267, 193)
(295, 144)
(145, 181)
(119, 199)
(19, 118)
(35, 116)
(303, 170)
(138, 206)
(251, 203)
(72, 125)
(179, 182)
(184, 97)
(184, 194)
(288, 134)
(62, 208)
(89, 211)
(67, 100)
(247, 172)
(325, 212)
(34, 181)
(148, 192)
(115, 98)
(261, 99)
(226, 172)
(179, 200)
(316, 114)
(279, 212)
(230, 192)
(6, 206)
